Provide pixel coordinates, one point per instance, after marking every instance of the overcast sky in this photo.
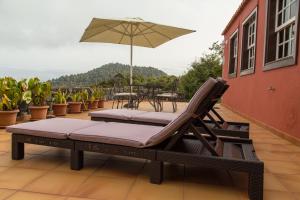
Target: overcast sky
(41, 37)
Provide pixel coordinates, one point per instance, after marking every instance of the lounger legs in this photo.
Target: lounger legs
(255, 188)
(76, 159)
(156, 172)
(17, 149)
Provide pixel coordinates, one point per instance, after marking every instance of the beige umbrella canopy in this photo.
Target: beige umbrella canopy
(131, 31)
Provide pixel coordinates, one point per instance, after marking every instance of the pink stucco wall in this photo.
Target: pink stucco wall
(250, 94)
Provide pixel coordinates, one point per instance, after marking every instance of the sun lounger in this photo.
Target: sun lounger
(219, 125)
(178, 142)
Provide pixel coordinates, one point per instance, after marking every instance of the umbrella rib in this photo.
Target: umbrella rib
(164, 35)
(146, 38)
(141, 31)
(109, 28)
(122, 36)
(125, 28)
(137, 27)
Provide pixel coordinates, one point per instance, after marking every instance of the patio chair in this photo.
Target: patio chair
(171, 96)
(220, 126)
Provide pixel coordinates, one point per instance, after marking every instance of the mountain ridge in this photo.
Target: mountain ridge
(104, 73)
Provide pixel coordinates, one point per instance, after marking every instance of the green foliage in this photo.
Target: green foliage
(209, 65)
(59, 97)
(98, 93)
(84, 98)
(39, 91)
(104, 74)
(75, 97)
(11, 93)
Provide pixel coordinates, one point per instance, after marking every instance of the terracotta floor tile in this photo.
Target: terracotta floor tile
(277, 195)
(5, 137)
(36, 149)
(34, 196)
(5, 146)
(57, 152)
(291, 182)
(293, 148)
(275, 156)
(271, 147)
(272, 141)
(41, 162)
(3, 169)
(17, 178)
(171, 172)
(6, 161)
(4, 193)
(297, 196)
(90, 166)
(207, 176)
(120, 168)
(76, 198)
(193, 191)
(56, 183)
(104, 188)
(282, 167)
(144, 190)
(272, 182)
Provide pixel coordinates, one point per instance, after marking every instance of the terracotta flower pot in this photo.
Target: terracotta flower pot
(38, 112)
(85, 106)
(59, 109)
(101, 104)
(74, 107)
(8, 118)
(93, 104)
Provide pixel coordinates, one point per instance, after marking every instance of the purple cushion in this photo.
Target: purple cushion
(125, 134)
(58, 128)
(122, 114)
(155, 117)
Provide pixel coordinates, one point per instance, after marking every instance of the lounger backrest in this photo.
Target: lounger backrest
(199, 98)
(199, 95)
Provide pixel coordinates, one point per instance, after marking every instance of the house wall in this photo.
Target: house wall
(250, 94)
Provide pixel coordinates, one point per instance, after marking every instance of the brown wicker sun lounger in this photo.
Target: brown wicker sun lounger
(50, 132)
(178, 142)
(219, 125)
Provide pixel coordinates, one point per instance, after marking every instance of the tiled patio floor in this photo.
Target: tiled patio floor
(44, 174)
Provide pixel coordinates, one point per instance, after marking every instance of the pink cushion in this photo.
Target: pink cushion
(155, 117)
(122, 114)
(58, 128)
(125, 134)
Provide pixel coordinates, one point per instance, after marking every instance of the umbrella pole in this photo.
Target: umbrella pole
(130, 104)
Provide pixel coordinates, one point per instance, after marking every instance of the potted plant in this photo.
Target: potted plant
(75, 104)
(99, 95)
(93, 102)
(84, 99)
(39, 92)
(59, 105)
(11, 93)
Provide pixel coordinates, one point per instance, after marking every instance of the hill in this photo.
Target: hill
(104, 73)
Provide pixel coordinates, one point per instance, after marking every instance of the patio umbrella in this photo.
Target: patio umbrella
(130, 31)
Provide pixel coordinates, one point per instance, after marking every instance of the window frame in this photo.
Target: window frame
(234, 74)
(248, 71)
(289, 60)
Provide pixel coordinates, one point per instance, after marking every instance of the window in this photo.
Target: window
(233, 58)
(249, 43)
(281, 33)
